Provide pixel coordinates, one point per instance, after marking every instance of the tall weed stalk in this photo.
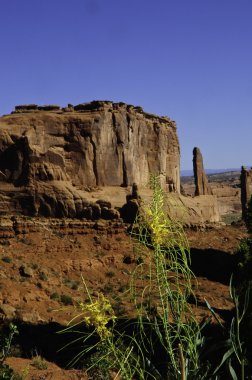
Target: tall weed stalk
(162, 302)
(109, 354)
(161, 342)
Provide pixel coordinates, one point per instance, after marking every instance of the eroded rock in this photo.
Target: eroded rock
(202, 186)
(246, 189)
(48, 157)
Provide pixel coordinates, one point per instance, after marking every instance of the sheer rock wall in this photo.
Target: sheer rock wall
(50, 157)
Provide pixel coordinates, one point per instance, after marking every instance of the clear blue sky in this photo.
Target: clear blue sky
(188, 59)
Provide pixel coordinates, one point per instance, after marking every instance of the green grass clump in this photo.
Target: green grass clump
(39, 363)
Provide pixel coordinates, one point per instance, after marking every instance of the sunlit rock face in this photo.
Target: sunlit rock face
(50, 155)
(246, 190)
(202, 186)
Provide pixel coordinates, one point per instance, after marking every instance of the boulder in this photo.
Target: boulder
(7, 312)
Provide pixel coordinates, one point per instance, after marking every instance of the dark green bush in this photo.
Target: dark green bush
(6, 339)
(244, 261)
(55, 296)
(66, 300)
(7, 259)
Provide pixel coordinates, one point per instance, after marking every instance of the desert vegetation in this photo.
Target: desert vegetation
(161, 337)
(164, 340)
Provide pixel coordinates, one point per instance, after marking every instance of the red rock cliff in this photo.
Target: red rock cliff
(47, 151)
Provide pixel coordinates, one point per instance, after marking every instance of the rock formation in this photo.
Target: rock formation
(246, 189)
(130, 209)
(50, 158)
(202, 186)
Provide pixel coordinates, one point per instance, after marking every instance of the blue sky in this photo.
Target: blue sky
(190, 60)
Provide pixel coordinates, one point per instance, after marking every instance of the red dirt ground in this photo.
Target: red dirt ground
(54, 263)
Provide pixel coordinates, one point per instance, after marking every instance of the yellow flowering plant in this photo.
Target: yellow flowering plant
(114, 356)
(160, 289)
(98, 314)
(164, 322)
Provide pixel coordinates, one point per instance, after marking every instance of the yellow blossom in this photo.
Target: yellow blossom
(97, 314)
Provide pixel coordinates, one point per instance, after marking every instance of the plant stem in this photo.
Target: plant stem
(242, 370)
(182, 362)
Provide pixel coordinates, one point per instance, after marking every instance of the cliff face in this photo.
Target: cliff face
(46, 153)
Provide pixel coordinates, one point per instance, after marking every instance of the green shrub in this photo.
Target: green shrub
(55, 296)
(66, 300)
(72, 284)
(6, 373)
(6, 339)
(7, 259)
(110, 274)
(243, 258)
(248, 217)
(108, 288)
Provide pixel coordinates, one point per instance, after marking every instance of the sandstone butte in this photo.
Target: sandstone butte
(81, 161)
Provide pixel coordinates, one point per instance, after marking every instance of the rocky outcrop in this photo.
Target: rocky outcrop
(11, 227)
(35, 107)
(81, 161)
(229, 198)
(202, 186)
(51, 158)
(246, 189)
(130, 209)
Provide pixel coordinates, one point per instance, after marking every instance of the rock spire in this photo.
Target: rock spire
(202, 186)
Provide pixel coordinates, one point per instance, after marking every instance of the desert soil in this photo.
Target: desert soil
(41, 270)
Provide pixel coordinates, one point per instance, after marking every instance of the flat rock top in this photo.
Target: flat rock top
(33, 110)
